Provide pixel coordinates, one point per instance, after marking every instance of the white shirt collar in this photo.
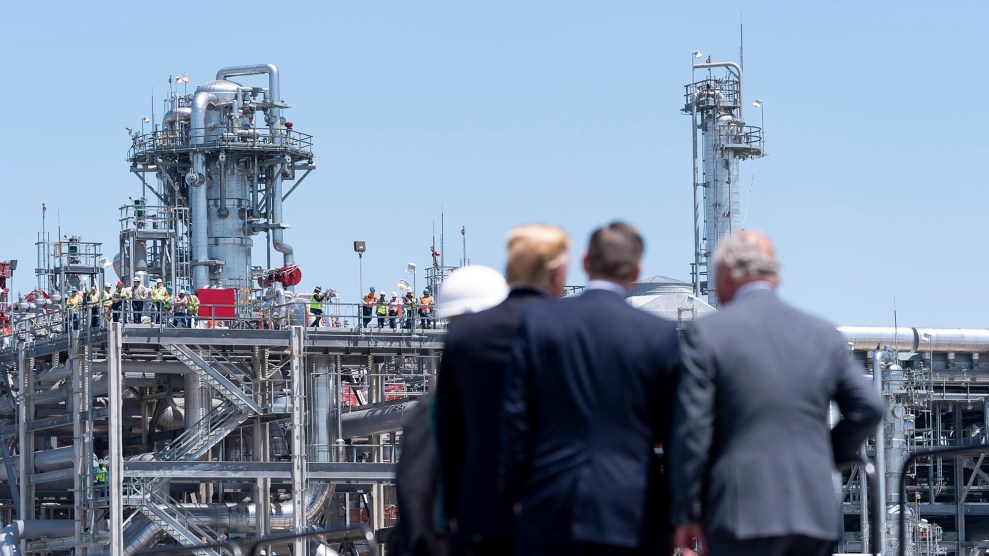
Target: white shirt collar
(606, 285)
(758, 285)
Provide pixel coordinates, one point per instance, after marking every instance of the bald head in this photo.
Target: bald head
(747, 256)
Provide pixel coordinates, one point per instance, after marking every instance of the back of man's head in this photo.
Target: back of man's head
(747, 256)
(614, 253)
(538, 255)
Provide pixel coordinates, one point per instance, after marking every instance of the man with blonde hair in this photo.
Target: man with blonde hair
(752, 454)
(468, 395)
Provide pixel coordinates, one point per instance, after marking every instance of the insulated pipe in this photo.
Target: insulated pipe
(139, 533)
(174, 116)
(277, 234)
(196, 180)
(376, 420)
(959, 340)
(274, 89)
(30, 529)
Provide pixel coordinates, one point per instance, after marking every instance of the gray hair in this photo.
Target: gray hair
(747, 257)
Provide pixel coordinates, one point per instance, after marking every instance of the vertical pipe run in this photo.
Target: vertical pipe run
(298, 439)
(115, 399)
(877, 379)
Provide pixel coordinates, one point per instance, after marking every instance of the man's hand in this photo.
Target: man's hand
(688, 536)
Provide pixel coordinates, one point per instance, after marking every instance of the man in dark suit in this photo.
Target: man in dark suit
(752, 455)
(588, 400)
(469, 387)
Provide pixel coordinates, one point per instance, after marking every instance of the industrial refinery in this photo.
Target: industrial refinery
(236, 420)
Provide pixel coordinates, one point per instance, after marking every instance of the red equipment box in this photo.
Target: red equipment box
(217, 303)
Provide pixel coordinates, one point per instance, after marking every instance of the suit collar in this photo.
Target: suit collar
(524, 292)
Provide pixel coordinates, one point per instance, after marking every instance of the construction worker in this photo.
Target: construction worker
(193, 308)
(137, 295)
(368, 306)
(107, 301)
(100, 476)
(409, 301)
(426, 309)
(381, 309)
(316, 305)
(158, 297)
(74, 305)
(118, 297)
(94, 300)
(181, 308)
(394, 310)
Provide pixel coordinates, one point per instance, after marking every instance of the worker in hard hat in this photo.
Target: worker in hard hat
(193, 308)
(106, 299)
(94, 301)
(426, 309)
(180, 306)
(159, 294)
(100, 476)
(137, 295)
(409, 308)
(381, 310)
(368, 307)
(117, 300)
(394, 310)
(316, 305)
(74, 304)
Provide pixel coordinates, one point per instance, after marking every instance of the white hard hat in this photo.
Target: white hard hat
(471, 289)
(394, 294)
(158, 281)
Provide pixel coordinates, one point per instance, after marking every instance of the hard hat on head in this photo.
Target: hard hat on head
(75, 289)
(169, 288)
(136, 279)
(107, 286)
(318, 289)
(181, 292)
(394, 294)
(120, 282)
(426, 291)
(158, 281)
(372, 288)
(471, 289)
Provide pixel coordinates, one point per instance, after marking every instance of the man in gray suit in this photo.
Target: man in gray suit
(752, 454)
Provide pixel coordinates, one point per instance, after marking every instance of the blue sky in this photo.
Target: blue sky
(568, 112)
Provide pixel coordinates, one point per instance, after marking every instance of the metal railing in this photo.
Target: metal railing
(981, 448)
(254, 137)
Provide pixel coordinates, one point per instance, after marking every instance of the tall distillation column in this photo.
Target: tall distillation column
(715, 105)
(225, 171)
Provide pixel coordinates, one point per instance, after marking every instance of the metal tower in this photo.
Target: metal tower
(715, 105)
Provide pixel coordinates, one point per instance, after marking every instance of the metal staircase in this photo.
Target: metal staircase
(206, 433)
(166, 512)
(222, 374)
(237, 387)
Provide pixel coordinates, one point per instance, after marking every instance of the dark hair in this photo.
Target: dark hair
(614, 251)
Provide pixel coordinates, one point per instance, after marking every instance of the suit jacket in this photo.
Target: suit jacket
(416, 477)
(467, 417)
(752, 452)
(588, 399)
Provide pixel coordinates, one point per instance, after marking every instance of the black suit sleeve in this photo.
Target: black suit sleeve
(515, 442)
(860, 405)
(448, 421)
(693, 431)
